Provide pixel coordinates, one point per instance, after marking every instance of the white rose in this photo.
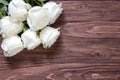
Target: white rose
(17, 9)
(38, 18)
(12, 45)
(54, 9)
(30, 39)
(49, 36)
(9, 28)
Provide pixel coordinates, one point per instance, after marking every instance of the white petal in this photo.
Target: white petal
(49, 36)
(17, 9)
(9, 28)
(12, 46)
(19, 15)
(30, 39)
(38, 18)
(28, 6)
(18, 3)
(55, 10)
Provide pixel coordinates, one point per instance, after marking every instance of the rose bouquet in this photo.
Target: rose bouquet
(26, 24)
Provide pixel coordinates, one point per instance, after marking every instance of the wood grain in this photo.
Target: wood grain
(89, 11)
(88, 49)
(68, 71)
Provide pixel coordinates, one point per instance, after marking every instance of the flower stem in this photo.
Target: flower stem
(37, 2)
(42, 3)
(25, 28)
(26, 1)
(1, 15)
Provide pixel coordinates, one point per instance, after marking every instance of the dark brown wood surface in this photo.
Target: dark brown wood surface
(88, 49)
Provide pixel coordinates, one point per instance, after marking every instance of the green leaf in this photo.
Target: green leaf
(4, 2)
(36, 2)
(27, 1)
(43, 1)
(40, 0)
(3, 11)
(4, 8)
(1, 5)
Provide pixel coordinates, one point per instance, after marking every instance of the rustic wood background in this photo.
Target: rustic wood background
(88, 49)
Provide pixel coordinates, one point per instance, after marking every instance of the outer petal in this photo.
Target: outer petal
(9, 28)
(38, 18)
(49, 36)
(55, 10)
(19, 15)
(30, 39)
(12, 46)
(17, 9)
(18, 3)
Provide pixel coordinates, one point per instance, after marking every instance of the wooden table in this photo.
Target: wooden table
(88, 49)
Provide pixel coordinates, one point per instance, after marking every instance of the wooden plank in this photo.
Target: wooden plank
(73, 71)
(83, 51)
(91, 29)
(86, 42)
(88, 49)
(89, 11)
(85, 0)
